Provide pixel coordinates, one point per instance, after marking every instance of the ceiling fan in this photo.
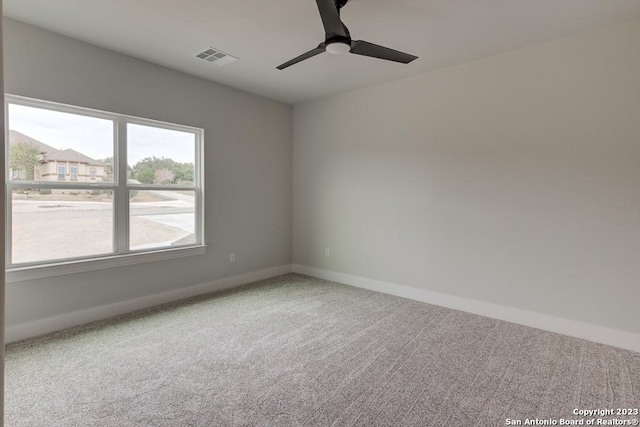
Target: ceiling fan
(338, 40)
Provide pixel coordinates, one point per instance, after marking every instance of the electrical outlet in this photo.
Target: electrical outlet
(232, 257)
(327, 252)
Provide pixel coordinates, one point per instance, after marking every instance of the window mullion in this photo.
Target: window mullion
(121, 194)
(60, 185)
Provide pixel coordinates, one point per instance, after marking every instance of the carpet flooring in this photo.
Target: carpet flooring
(294, 350)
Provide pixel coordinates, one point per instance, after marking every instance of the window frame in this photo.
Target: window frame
(73, 176)
(121, 254)
(63, 175)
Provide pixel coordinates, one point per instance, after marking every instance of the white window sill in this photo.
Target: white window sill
(20, 274)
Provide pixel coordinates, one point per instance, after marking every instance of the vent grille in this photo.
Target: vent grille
(216, 57)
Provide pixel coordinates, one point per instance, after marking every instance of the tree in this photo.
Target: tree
(108, 169)
(23, 156)
(160, 170)
(164, 176)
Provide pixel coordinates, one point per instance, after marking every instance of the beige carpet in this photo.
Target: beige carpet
(300, 351)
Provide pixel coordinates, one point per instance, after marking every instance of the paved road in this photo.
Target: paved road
(175, 213)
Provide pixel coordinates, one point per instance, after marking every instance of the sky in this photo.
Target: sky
(94, 137)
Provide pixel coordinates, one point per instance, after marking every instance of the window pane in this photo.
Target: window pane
(161, 219)
(160, 156)
(46, 145)
(58, 224)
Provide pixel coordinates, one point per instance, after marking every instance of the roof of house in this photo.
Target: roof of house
(51, 154)
(70, 155)
(16, 137)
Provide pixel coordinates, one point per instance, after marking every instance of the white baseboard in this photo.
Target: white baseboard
(595, 333)
(67, 320)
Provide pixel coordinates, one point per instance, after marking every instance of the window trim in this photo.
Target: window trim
(121, 254)
(81, 265)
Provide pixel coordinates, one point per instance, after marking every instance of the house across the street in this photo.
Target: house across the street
(58, 165)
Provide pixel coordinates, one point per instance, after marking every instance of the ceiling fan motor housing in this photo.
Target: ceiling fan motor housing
(338, 39)
(338, 47)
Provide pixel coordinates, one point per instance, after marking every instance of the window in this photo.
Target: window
(62, 171)
(142, 194)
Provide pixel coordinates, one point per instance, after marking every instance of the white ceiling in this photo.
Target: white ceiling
(264, 34)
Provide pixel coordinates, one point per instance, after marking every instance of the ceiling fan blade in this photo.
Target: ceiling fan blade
(361, 47)
(310, 54)
(333, 26)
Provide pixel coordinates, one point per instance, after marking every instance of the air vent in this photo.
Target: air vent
(216, 57)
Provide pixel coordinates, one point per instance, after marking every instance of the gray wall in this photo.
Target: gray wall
(513, 180)
(2, 238)
(247, 160)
